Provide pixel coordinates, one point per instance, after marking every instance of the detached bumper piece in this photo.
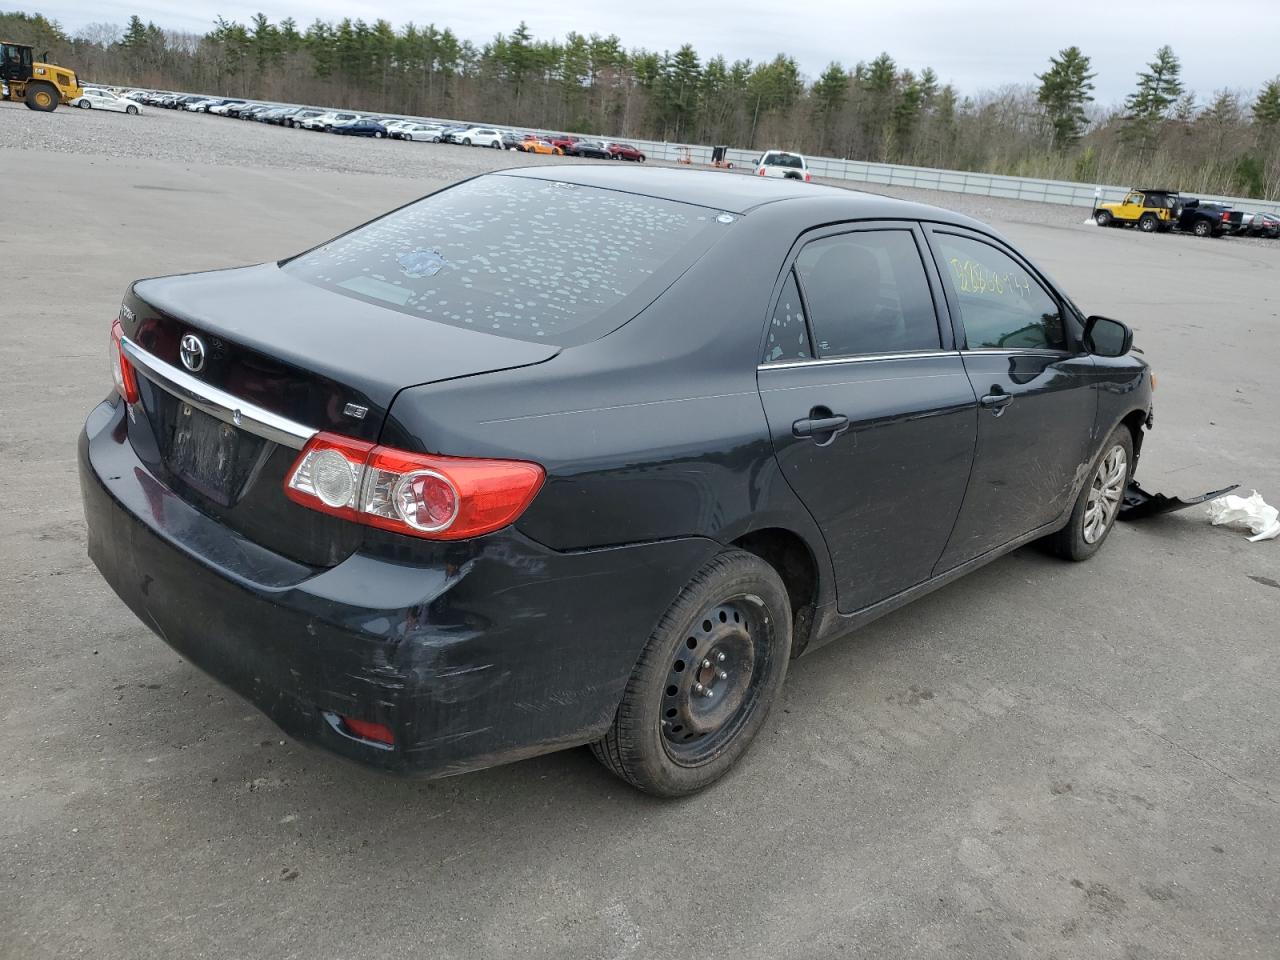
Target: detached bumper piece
(1139, 504)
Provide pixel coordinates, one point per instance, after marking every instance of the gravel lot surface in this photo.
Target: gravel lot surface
(1040, 760)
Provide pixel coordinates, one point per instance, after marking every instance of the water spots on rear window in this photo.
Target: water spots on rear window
(524, 257)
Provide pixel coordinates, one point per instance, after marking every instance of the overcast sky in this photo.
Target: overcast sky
(974, 44)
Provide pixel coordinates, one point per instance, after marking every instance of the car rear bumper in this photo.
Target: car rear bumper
(473, 653)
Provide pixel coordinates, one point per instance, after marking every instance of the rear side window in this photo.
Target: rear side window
(517, 256)
(867, 292)
(788, 336)
(1001, 304)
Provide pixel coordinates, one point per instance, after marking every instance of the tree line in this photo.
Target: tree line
(878, 110)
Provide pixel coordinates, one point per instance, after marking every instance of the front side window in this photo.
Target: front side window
(867, 292)
(1002, 306)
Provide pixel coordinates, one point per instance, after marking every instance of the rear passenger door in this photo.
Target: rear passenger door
(870, 411)
(1035, 387)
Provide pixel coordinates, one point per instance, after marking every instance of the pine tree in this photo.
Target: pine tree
(1266, 109)
(1064, 90)
(828, 95)
(1159, 88)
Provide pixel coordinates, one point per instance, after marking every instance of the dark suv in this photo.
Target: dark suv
(568, 455)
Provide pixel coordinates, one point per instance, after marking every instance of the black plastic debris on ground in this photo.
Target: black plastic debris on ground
(1138, 503)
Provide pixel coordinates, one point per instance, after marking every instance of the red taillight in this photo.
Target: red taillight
(760, 172)
(439, 498)
(1226, 215)
(368, 730)
(121, 369)
(807, 178)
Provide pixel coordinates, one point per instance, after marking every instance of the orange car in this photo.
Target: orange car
(538, 145)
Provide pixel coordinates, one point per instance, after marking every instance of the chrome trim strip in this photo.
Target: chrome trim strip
(217, 403)
(1001, 352)
(861, 358)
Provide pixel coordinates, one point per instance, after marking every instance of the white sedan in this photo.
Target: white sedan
(95, 99)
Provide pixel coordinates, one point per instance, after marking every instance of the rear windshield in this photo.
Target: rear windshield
(783, 160)
(517, 256)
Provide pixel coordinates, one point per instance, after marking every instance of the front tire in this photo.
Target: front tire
(85, 105)
(1098, 505)
(41, 97)
(1102, 218)
(705, 681)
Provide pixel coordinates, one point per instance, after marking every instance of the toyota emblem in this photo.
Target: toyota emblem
(191, 351)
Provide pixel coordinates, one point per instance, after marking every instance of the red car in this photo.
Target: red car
(563, 141)
(624, 151)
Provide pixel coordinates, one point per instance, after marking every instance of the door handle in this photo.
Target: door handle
(818, 427)
(996, 402)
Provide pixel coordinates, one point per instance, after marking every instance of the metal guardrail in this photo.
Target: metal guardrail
(1066, 192)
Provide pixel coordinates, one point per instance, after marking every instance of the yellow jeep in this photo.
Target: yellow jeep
(1149, 209)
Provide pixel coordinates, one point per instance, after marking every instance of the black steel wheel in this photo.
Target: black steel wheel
(714, 685)
(705, 681)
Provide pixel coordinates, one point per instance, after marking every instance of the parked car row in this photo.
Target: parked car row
(1154, 210)
(351, 123)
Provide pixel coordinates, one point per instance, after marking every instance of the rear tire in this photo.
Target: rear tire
(1087, 530)
(42, 97)
(728, 632)
(1203, 228)
(131, 110)
(1149, 223)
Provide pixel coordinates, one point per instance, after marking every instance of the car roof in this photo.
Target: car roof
(736, 194)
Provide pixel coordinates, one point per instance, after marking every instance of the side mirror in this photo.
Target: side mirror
(1104, 337)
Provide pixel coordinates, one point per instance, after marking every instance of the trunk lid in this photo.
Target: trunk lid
(323, 361)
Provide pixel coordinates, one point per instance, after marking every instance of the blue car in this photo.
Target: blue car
(360, 128)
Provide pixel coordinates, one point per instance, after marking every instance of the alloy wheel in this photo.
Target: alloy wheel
(1105, 494)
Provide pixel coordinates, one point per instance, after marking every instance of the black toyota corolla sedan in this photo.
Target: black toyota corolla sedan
(572, 455)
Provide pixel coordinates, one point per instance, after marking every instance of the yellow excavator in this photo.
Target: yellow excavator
(42, 86)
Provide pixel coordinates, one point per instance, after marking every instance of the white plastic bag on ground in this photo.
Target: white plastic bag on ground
(1246, 513)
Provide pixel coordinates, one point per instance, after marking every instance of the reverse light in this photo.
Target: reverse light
(424, 495)
(121, 370)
